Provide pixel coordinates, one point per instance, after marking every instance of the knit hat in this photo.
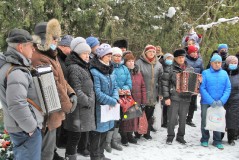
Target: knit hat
(230, 59)
(79, 45)
(103, 50)
(121, 43)
(128, 57)
(19, 36)
(45, 32)
(66, 41)
(179, 52)
(116, 50)
(192, 49)
(216, 58)
(92, 41)
(222, 46)
(167, 55)
(149, 47)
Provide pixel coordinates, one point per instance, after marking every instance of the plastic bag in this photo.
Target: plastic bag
(157, 116)
(143, 124)
(215, 119)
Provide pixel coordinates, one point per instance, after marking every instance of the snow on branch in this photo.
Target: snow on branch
(220, 20)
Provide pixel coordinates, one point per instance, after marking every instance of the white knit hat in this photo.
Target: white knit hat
(79, 45)
(116, 50)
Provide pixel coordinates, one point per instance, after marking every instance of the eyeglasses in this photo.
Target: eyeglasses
(117, 56)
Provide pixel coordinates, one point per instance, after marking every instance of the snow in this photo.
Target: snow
(157, 149)
(171, 12)
(220, 20)
(116, 18)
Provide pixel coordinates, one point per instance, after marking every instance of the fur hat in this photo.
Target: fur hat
(92, 41)
(192, 49)
(128, 57)
(45, 33)
(167, 55)
(222, 46)
(116, 50)
(66, 41)
(121, 43)
(179, 52)
(216, 58)
(79, 45)
(230, 59)
(19, 36)
(103, 50)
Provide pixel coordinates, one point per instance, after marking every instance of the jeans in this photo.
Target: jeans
(205, 133)
(27, 147)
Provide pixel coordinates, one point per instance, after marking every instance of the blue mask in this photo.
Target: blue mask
(169, 62)
(53, 47)
(232, 66)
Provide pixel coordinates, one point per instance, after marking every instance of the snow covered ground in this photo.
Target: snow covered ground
(157, 149)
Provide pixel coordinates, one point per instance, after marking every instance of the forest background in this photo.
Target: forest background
(140, 22)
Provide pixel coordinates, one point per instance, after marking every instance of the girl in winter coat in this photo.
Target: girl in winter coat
(232, 105)
(106, 92)
(139, 94)
(152, 71)
(80, 79)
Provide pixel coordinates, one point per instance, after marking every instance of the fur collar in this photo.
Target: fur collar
(95, 63)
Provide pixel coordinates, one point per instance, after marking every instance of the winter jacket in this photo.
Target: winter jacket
(64, 89)
(232, 105)
(79, 78)
(62, 58)
(19, 115)
(169, 84)
(152, 73)
(122, 75)
(197, 63)
(215, 86)
(106, 91)
(194, 36)
(139, 94)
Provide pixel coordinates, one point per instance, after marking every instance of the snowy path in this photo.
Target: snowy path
(157, 149)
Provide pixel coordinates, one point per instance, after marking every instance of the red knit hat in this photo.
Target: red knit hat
(149, 47)
(192, 49)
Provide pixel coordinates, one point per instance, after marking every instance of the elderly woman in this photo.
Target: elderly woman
(80, 79)
(152, 71)
(106, 92)
(232, 105)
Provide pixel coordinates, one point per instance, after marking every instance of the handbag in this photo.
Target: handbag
(126, 101)
(143, 124)
(132, 112)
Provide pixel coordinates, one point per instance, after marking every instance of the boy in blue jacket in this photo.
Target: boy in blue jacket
(215, 91)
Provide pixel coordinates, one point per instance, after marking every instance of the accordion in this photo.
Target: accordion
(188, 82)
(46, 90)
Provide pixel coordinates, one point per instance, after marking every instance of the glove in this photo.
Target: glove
(186, 39)
(214, 104)
(219, 103)
(142, 107)
(199, 35)
(73, 100)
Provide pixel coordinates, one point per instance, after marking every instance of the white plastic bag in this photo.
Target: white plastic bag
(157, 116)
(215, 119)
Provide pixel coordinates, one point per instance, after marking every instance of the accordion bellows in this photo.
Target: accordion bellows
(188, 82)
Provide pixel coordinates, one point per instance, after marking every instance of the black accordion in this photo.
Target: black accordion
(188, 82)
(47, 93)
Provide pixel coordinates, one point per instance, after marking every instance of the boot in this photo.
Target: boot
(108, 141)
(114, 143)
(71, 157)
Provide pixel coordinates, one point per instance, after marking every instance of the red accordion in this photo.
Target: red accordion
(188, 82)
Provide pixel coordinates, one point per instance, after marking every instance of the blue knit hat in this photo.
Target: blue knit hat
(216, 58)
(92, 41)
(66, 41)
(222, 46)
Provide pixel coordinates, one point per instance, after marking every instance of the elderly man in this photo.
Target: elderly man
(21, 119)
(215, 91)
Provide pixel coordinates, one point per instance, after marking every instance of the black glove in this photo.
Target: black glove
(73, 99)
(142, 107)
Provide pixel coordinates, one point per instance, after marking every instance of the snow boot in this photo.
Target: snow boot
(108, 141)
(114, 143)
(71, 157)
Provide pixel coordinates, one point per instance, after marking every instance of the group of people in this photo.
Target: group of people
(89, 75)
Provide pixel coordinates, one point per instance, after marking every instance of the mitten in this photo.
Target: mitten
(199, 35)
(214, 104)
(186, 39)
(219, 103)
(73, 99)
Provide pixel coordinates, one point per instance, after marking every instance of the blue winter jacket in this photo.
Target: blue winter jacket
(106, 91)
(197, 64)
(215, 86)
(123, 77)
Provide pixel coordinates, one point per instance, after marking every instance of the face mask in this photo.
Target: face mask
(53, 47)
(168, 62)
(232, 66)
(223, 55)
